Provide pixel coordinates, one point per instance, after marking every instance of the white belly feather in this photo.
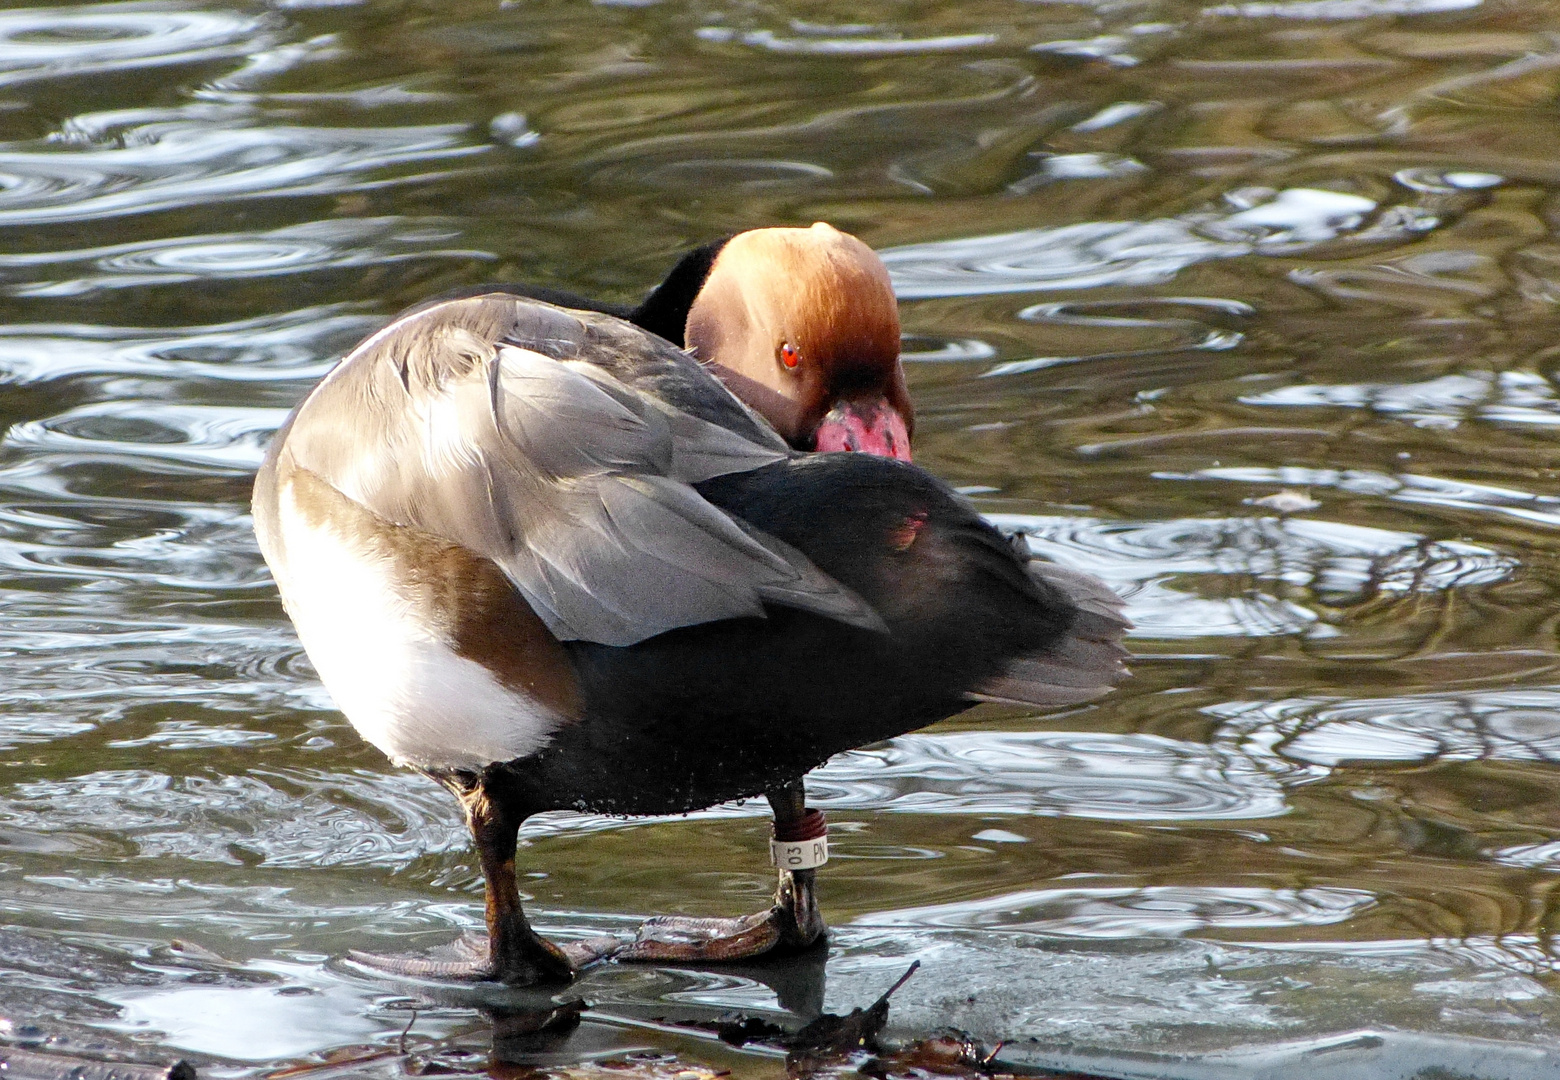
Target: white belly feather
(402, 687)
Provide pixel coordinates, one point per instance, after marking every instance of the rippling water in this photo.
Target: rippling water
(1250, 308)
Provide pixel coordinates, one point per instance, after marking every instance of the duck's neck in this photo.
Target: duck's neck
(665, 310)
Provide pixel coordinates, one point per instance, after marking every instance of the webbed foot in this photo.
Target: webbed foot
(684, 939)
(793, 924)
(470, 959)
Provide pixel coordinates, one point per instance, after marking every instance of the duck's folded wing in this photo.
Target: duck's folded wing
(486, 423)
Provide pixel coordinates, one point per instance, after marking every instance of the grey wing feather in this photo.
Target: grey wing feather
(651, 367)
(635, 555)
(481, 421)
(566, 425)
(1087, 662)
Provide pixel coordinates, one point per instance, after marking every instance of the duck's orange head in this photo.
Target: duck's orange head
(802, 325)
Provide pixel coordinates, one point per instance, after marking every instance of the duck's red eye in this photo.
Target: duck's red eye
(790, 355)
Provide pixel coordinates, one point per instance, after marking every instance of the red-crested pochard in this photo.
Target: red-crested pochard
(542, 555)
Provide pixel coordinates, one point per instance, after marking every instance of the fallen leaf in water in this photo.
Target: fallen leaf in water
(831, 1038)
(1286, 501)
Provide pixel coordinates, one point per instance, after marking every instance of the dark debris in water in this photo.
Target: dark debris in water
(741, 1030)
(831, 1038)
(336, 1058)
(43, 1063)
(952, 1054)
(835, 1046)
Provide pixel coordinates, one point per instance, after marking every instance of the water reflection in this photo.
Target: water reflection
(127, 431)
(1251, 221)
(292, 819)
(1338, 9)
(40, 43)
(1339, 562)
(1497, 725)
(310, 248)
(287, 345)
(1103, 777)
(845, 41)
(146, 160)
(1132, 913)
(1407, 488)
(1170, 332)
(1110, 777)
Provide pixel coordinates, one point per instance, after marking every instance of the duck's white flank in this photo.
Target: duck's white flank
(402, 687)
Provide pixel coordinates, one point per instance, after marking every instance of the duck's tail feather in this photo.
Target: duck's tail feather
(1087, 662)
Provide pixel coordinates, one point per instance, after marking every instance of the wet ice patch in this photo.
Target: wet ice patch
(305, 1010)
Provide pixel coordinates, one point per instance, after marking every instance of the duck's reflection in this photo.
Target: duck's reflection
(797, 981)
(523, 1034)
(534, 1027)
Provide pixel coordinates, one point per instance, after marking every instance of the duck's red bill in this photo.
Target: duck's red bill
(867, 427)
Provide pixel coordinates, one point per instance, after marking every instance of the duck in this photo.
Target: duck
(559, 556)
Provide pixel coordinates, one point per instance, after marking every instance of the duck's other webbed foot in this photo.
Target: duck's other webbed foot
(470, 958)
(794, 922)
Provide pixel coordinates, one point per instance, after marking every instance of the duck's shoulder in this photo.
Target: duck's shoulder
(652, 366)
(422, 351)
(426, 348)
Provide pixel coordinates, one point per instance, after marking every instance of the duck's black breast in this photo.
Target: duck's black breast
(732, 708)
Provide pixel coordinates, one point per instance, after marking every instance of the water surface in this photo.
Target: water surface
(1250, 308)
